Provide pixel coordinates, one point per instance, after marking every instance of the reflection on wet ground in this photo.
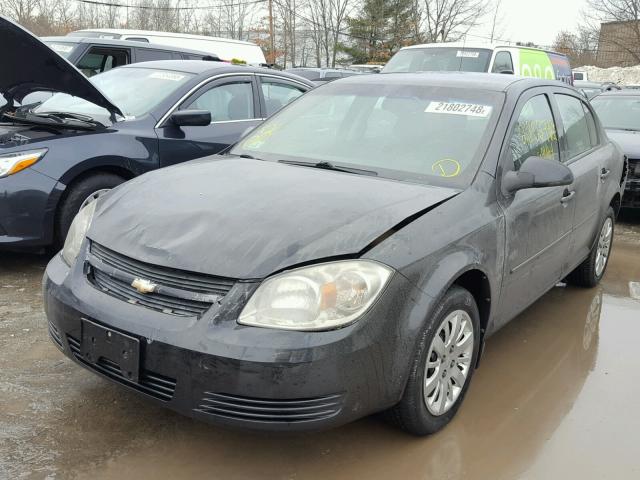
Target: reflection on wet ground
(556, 396)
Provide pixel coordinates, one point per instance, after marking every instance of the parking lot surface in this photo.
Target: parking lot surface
(556, 396)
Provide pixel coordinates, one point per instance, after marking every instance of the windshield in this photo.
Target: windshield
(134, 90)
(63, 49)
(439, 59)
(416, 133)
(618, 112)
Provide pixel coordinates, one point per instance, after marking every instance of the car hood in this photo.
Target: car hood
(246, 219)
(629, 142)
(28, 65)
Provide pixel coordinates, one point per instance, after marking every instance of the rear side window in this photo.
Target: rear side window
(576, 129)
(534, 133)
(148, 55)
(101, 59)
(502, 63)
(277, 95)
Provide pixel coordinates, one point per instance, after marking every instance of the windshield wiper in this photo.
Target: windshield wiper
(62, 117)
(330, 166)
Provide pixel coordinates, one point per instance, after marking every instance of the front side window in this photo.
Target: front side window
(99, 60)
(226, 102)
(534, 133)
(576, 128)
(277, 95)
(502, 63)
(439, 59)
(417, 133)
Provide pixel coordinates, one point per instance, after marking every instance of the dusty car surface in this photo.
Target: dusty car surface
(349, 256)
(619, 112)
(95, 134)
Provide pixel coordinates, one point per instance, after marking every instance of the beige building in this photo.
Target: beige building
(619, 44)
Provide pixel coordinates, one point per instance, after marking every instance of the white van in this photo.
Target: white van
(478, 57)
(225, 48)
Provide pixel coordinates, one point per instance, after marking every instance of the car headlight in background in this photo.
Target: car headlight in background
(11, 163)
(319, 297)
(77, 232)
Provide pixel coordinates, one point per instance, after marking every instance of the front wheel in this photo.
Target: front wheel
(80, 194)
(590, 272)
(442, 366)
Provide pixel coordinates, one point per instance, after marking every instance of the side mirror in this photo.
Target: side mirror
(507, 72)
(190, 118)
(536, 172)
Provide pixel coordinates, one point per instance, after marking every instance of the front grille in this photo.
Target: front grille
(153, 384)
(55, 335)
(177, 293)
(272, 411)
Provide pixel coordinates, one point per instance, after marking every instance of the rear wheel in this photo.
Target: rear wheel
(80, 194)
(590, 272)
(442, 366)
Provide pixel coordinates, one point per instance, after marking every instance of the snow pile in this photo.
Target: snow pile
(618, 75)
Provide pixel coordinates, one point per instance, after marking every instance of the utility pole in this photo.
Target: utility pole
(272, 50)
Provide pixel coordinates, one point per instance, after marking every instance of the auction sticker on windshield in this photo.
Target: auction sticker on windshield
(459, 108)
(174, 77)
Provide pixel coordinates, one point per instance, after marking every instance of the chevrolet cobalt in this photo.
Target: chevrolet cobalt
(351, 255)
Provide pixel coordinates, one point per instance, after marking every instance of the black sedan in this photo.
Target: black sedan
(349, 256)
(619, 112)
(97, 134)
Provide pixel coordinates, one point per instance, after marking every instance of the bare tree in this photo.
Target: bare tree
(448, 20)
(496, 20)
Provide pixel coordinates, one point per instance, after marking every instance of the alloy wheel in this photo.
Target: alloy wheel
(448, 362)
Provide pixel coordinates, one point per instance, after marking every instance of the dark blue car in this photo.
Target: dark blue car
(98, 133)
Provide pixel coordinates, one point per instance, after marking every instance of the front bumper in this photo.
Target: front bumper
(28, 201)
(218, 371)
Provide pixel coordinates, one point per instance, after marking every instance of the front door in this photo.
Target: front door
(538, 221)
(234, 106)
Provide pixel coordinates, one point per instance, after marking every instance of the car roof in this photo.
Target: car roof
(158, 33)
(621, 93)
(497, 82)
(198, 67)
(477, 45)
(123, 43)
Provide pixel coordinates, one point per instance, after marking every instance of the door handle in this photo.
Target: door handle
(604, 173)
(567, 196)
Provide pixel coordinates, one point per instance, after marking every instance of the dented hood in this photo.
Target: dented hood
(246, 219)
(28, 65)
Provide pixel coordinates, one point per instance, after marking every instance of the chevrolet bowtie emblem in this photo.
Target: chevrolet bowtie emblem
(143, 286)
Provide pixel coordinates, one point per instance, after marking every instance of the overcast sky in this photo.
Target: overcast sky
(535, 21)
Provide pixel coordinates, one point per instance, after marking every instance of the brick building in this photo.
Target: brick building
(619, 44)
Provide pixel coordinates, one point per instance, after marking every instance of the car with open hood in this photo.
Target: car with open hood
(619, 112)
(95, 134)
(349, 256)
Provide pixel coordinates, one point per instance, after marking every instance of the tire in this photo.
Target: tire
(588, 274)
(76, 195)
(412, 414)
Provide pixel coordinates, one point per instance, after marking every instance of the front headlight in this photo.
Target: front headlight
(77, 232)
(319, 297)
(11, 163)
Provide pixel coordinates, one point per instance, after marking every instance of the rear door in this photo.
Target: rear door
(538, 220)
(233, 102)
(582, 153)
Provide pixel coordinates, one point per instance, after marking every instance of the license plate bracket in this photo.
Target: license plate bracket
(100, 342)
